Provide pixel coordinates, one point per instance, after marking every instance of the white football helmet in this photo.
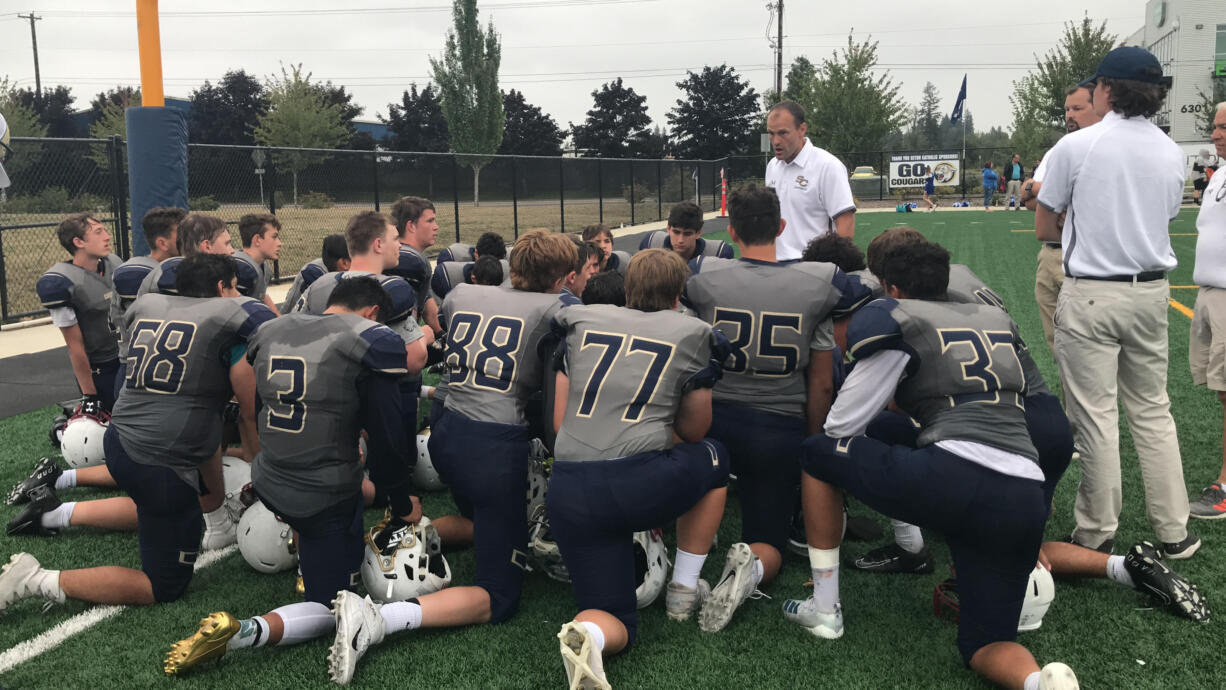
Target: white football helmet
(538, 478)
(544, 549)
(424, 474)
(266, 543)
(410, 565)
(1040, 591)
(237, 473)
(81, 443)
(650, 566)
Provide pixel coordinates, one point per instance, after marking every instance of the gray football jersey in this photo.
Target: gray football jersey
(868, 280)
(307, 370)
(179, 354)
(127, 279)
(963, 381)
(628, 371)
(493, 356)
(315, 300)
(309, 274)
(91, 296)
(965, 286)
(260, 288)
(773, 314)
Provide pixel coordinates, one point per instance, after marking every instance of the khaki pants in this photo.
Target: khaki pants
(1014, 189)
(1047, 281)
(1111, 340)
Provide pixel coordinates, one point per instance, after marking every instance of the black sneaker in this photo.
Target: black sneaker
(28, 521)
(894, 559)
(46, 471)
(1211, 505)
(1181, 549)
(1104, 547)
(1165, 586)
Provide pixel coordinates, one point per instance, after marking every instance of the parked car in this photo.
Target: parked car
(864, 172)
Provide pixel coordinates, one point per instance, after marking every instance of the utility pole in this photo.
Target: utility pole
(778, 55)
(38, 82)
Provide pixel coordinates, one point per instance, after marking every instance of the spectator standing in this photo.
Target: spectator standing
(990, 180)
(1013, 175)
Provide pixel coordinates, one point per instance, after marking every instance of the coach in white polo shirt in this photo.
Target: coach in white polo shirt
(812, 186)
(1120, 183)
(1207, 342)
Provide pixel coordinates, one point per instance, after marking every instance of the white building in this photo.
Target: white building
(1189, 38)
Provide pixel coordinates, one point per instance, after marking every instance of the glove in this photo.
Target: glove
(91, 405)
(436, 353)
(229, 413)
(393, 531)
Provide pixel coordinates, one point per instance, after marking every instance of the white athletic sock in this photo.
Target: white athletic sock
(401, 615)
(48, 585)
(1117, 572)
(824, 565)
(1032, 681)
(595, 633)
(60, 517)
(306, 620)
(252, 632)
(758, 572)
(908, 536)
(687, 567)
(215, 520)
(66, 480)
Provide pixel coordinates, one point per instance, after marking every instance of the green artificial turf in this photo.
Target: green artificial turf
(1105, 632)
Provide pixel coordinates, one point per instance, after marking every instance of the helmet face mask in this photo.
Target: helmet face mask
(545, 553)
(236, 474)
(651, 566)
(408, 563)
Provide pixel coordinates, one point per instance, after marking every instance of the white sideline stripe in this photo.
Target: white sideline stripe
(58, 635)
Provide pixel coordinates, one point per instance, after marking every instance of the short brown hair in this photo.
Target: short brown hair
(654, 280)
(753, 211)
(196, 228)
(591, 232)
(1131, 98)
(73, 228)
(885, 242)
(796, 110)
(253, 224)
(408, 209)
(160, 221)
(363, 229)
(540, 258)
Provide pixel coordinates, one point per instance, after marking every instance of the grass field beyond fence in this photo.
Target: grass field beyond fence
(892, 640)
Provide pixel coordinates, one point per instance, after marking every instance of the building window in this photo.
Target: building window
(1220, 53)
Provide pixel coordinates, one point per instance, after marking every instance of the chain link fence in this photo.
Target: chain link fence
(314, 192)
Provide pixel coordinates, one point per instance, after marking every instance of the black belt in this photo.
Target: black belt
(1053, 245)
(1146, 277)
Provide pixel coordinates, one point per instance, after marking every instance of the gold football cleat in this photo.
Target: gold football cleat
(207, 644)
(300, 586)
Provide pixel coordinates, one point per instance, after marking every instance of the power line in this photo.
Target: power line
(523, 4)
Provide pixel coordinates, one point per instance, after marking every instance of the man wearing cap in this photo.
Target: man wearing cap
(1078, 114)
(812, 185)
(1119, 184)
(1207, 342)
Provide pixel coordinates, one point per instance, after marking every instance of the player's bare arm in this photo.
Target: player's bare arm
(80, 361)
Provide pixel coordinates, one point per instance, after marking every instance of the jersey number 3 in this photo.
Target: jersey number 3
(157, 356)
(287, 412)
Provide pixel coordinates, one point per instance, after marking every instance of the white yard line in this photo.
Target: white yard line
(58, 635)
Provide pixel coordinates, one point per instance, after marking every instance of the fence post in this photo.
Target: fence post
(562, 191)
(119, 194)
(455, 193)
(881, 173)
(600, 190)
(659, 189)
(374, 171)
(4, 283)
(632, 192)
(515, 195)
(271, 173)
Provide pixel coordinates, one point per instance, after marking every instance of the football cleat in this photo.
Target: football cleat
(46, 471)
(17, 579)
(584, 665)
(1058, 676)
(1211, 505)
(680, 602)
(300, 584)
(207, 644)
(804, 613)
(1166, 587)
(358, 626)
(892, 558)
(860, 528)
(734, 587)
(29, 520)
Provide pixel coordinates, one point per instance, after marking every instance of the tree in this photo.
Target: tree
(1038, 97)
(467, 76)
(928, 117)
(850, 108)
(617, 126)
(111, 121)
(417, 124)
(299, 117)
(120, 95)
(343, 100)
(54, 109)
(22, 121)
(529, 132)
(718, 116)
(229, 112)
(1208, 103)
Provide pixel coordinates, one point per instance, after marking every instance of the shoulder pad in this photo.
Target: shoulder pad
(853, 294)
(568, 299)
(657, 239)
(257, 314)
(873, 328)
(402, 295)
(411, 268)
(248, 277)
(385, 350)
(166, 280)
(54, 290)
(311, 273)
(128, 277)
(440, 284)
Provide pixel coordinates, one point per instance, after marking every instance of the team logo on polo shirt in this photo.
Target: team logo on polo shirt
(801, 181)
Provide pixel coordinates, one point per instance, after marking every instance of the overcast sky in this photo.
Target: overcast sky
(555, 51)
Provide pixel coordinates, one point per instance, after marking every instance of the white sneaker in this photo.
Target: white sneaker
(680, 602)
(804, 613)
(1058, 676)
(583, 662)
(18, 579)
(734, 587)
(358, 626)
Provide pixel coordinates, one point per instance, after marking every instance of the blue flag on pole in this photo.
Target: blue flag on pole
(957, 114)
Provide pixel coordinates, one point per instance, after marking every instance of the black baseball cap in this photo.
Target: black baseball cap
(1133, 63)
